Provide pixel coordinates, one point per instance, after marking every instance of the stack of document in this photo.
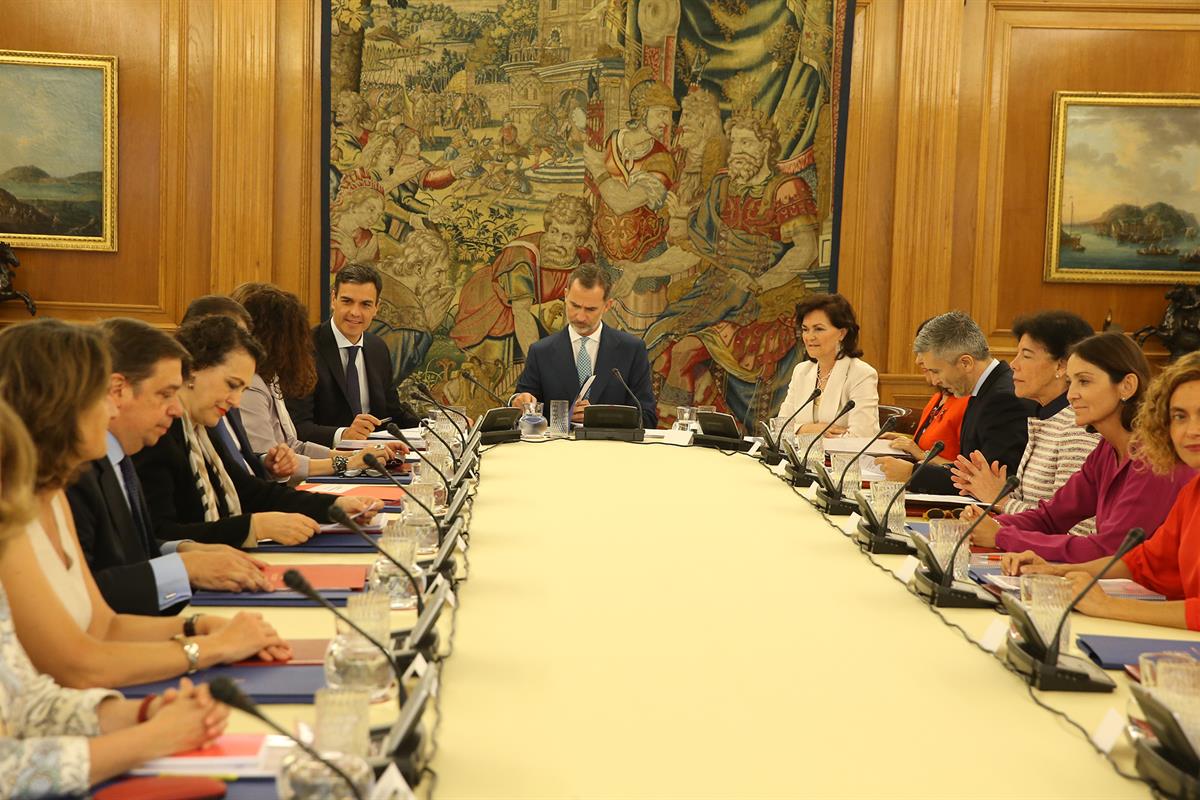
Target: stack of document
(242, 754)
(852, 444)
(1123, 588)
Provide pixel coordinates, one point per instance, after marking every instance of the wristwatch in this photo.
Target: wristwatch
(339, 465)
(191, 650)
(189, 625)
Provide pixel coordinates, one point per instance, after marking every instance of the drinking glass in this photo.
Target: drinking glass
(816, 456)
(424, 532)
(400, 542)
(351, 661)
(848, 463)
(1179, 690)
(943, 536)
(1149, 663)
(685, 418)
(881, 493)
(341, 737)
(533, 424)
(560, 419)
(1047, 597)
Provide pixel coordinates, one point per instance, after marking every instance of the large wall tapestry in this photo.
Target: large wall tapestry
(481, 149)
(1124, 191)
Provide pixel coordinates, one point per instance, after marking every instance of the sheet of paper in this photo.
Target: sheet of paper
(1109, 730)
(587, 387)
(943, 499)
(993, 637)
(852, 444)
(908, 568)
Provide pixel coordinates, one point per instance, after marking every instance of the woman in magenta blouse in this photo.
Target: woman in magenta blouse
(1108, 377)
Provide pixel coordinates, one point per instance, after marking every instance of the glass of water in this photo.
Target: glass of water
(943, 537)
(1047, 597)
(882, 493)
(685, 418)
(1149, 663)
(560, 419)
(847, 463)
(399, 542)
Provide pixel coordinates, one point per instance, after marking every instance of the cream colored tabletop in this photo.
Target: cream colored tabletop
(651, 621)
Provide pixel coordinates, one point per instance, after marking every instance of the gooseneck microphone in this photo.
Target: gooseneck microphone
(471, 379)
(641, 414)
(1132, 539)
(428, 394)
(339, 515)
(846, 409)
(394, 430)
(1009, 486)
(774, 445)
(933, 453)
(371, 461)
(226, 691)
(298, 583)
(887, 426)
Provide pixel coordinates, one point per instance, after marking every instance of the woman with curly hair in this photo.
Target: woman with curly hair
(1166, 435)
(286, 370)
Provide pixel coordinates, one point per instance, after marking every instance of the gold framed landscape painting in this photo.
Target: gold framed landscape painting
(1124, 188)
(58, 151)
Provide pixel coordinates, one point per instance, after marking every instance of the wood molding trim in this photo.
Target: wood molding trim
(243, 162)
(930, 48)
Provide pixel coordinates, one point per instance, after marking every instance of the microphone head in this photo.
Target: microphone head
(1135, 537)
(422, 388)
(226, 691)
(373, 462)
(816, 393)
(394, 430)
(937, 448)
(295, 581)
(1010, 485)
(615, 372)
(888, 424)
(848, 407)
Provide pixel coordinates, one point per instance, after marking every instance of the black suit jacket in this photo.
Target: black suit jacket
(118, 557)
(996, 423)
(243, 441)
(550, 372)
(318, 416)
(177, 512)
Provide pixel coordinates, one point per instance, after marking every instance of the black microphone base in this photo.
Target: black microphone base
(799, 478)
(869, 541)
(834, 506)
(611, 434)
(1070, 674)
(1152, 763)
(948, 596)
(771, 457)
(499, 437)
(721, 442)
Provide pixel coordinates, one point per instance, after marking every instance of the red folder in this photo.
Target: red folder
(305, 652)
(350, 490)
(349, 577)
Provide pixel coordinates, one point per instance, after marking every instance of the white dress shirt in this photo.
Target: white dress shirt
(592, 346)
(984, 377)
(360, 364)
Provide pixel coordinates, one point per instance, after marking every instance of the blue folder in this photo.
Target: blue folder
(280, 598)
(361, 480)
(281, 684)
(1115, 652)
(321, 543)
(978, 571)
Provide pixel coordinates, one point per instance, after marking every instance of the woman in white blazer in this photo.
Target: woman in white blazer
(829, 334)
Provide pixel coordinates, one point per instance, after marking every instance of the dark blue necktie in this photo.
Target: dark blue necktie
(353, 392)
(231, 446)
(133, 493)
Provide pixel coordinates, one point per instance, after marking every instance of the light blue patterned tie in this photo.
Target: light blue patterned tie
(583, 363)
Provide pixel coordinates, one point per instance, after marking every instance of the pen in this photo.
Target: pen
(385, 420)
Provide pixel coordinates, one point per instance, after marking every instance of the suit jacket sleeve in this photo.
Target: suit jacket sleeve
(128, 588)
(258, 495)
(258, 418)
(531, 376)
(301, 409)
(173, 499)
(1003, 429)
(639, 382)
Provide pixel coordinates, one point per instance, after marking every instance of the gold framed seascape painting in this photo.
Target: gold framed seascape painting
(1124, 188)
(58, 151)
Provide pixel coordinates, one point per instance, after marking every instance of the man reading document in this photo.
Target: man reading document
(560, 366)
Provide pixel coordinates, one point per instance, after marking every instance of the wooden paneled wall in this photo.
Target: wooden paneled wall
(946, 168)
(948, 157)
(219, 130)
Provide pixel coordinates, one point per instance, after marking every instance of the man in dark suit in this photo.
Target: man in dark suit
(558, 366)
(136, 573)
(355, 390)
(955, 352)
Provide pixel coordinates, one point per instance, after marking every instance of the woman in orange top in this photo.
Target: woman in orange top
(940, 421)
(1166, 433)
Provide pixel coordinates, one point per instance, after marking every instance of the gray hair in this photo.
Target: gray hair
(950, 335)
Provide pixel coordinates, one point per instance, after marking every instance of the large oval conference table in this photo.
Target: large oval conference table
(647, 620)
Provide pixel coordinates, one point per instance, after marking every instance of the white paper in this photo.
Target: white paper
(850, 524)
(416, 667)
(852, 444)
(1109, 730)
(753, 451)
(908, 568)
(993, 637)
(583, 390)
(391, 786)
(942, 499)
